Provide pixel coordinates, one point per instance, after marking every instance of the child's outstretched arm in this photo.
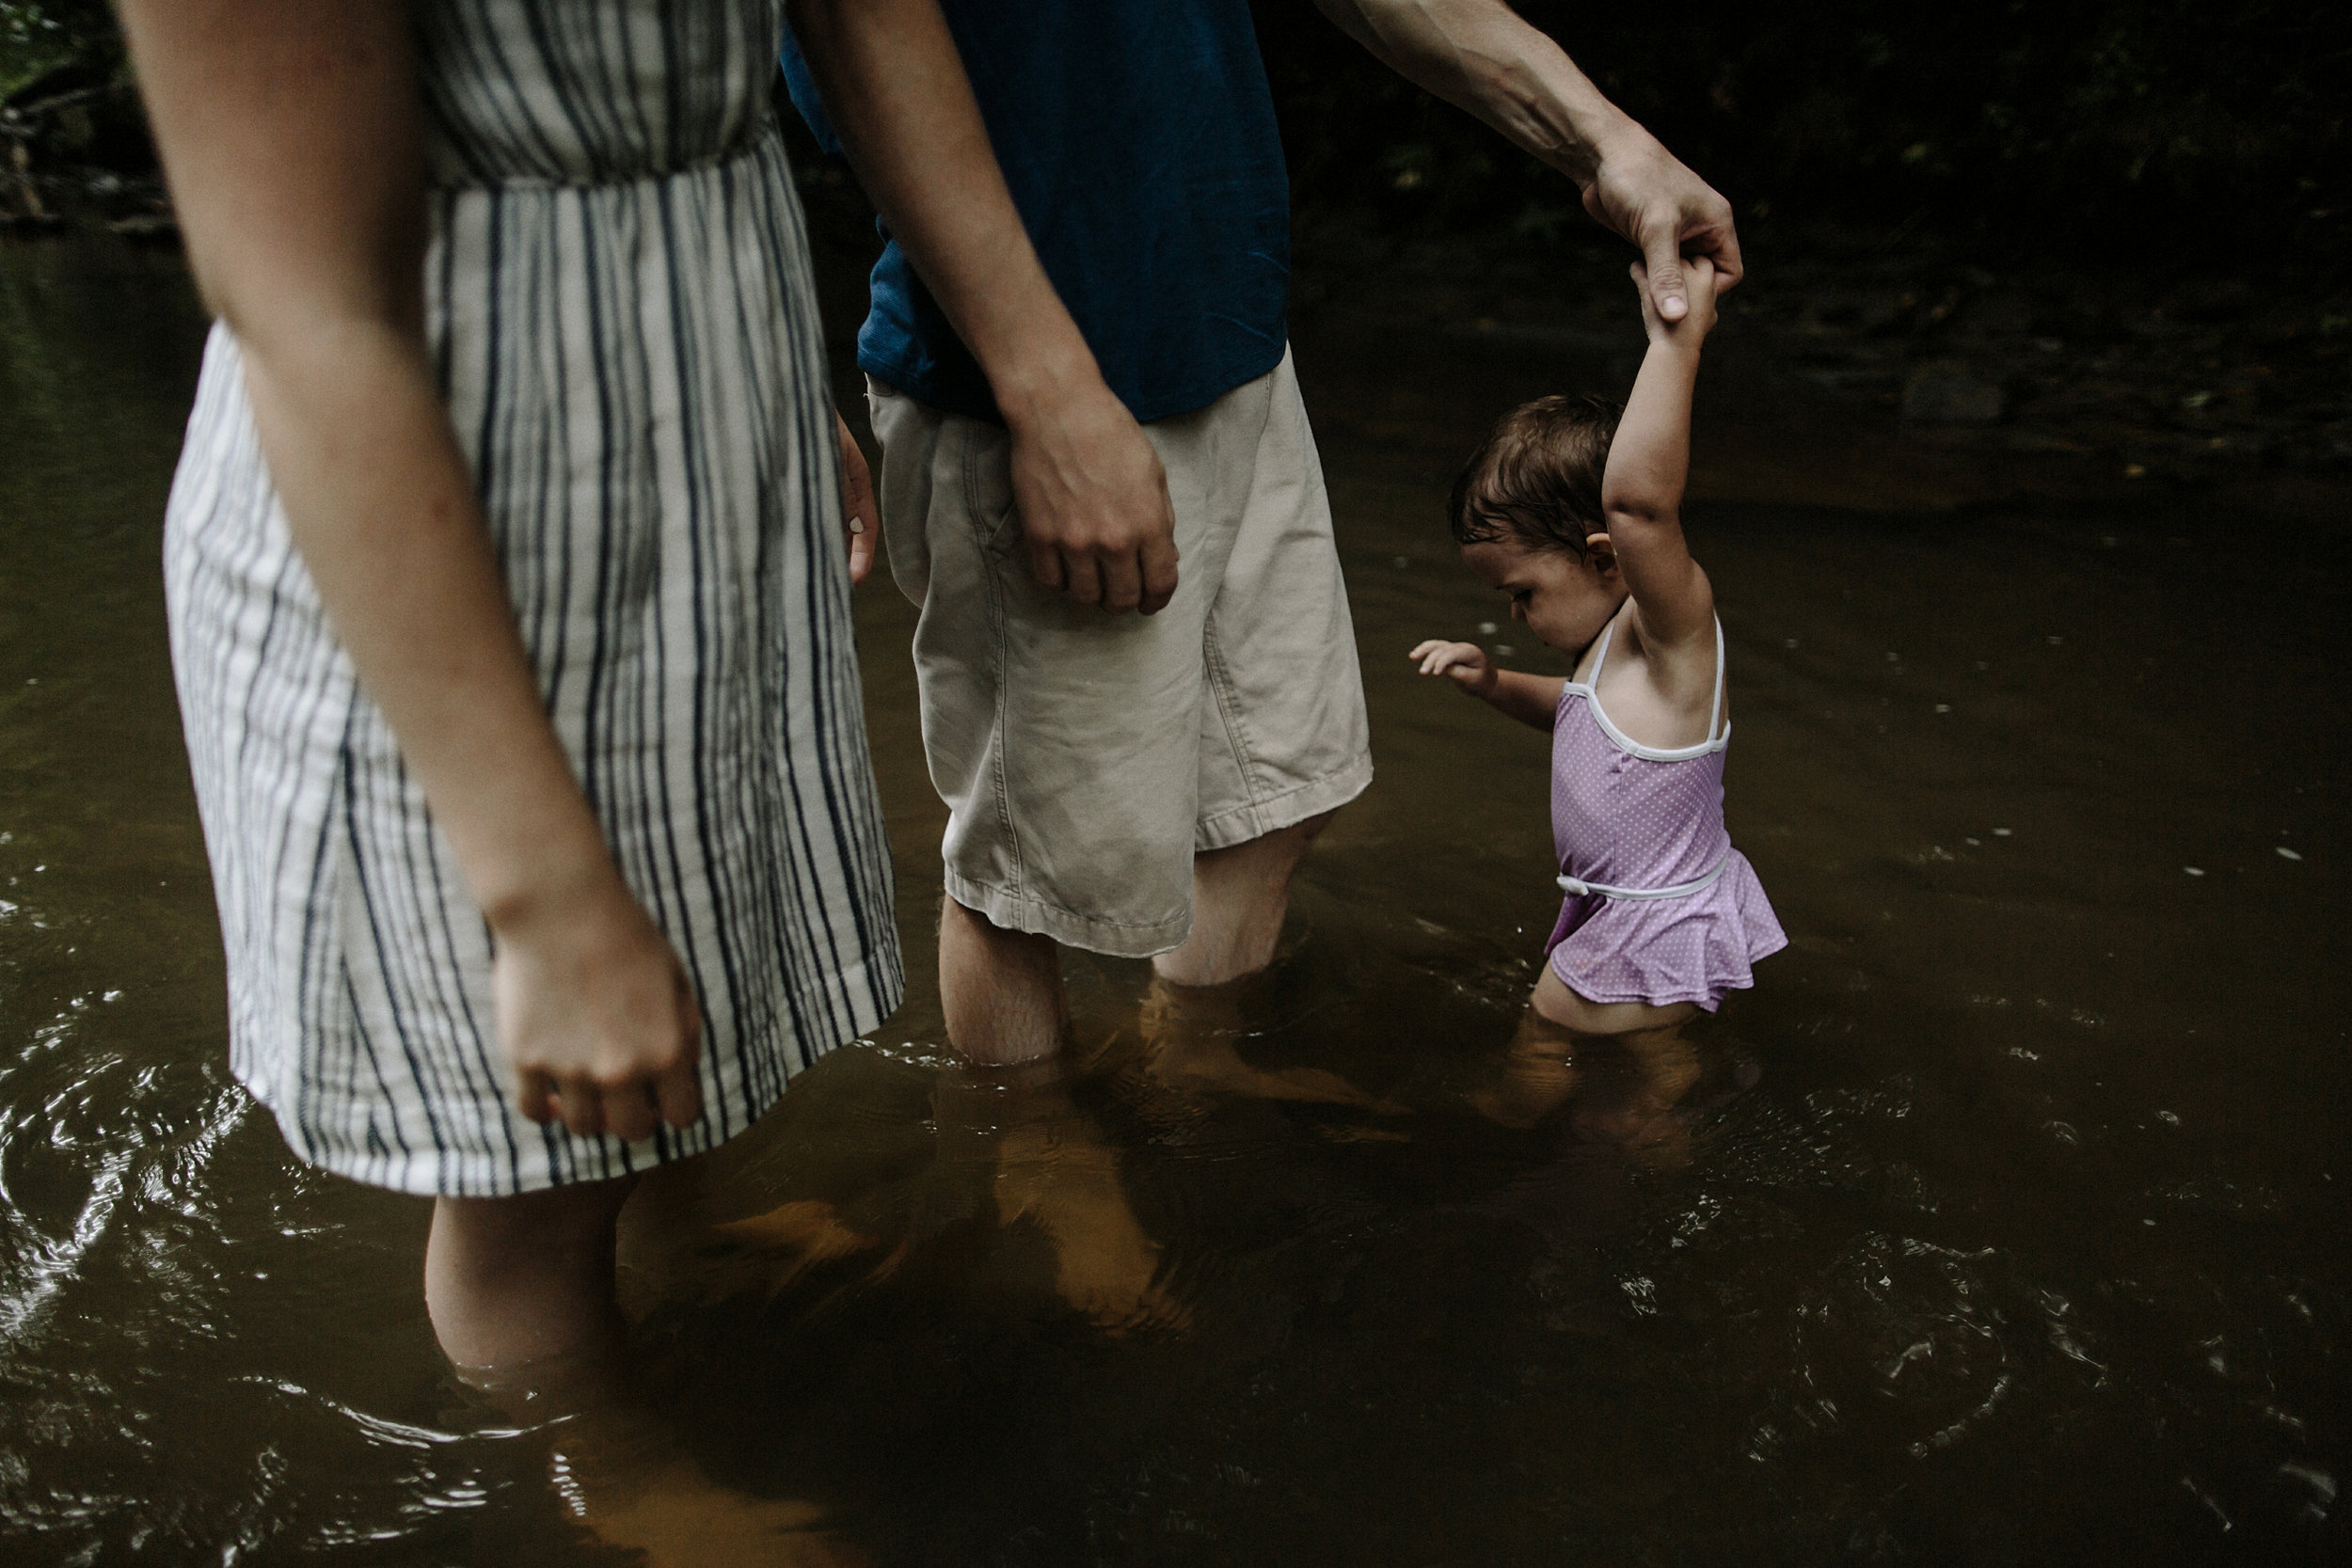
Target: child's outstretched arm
(1641, 490)
(1532, 700)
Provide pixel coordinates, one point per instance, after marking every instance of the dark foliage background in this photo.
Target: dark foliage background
(2175, 132)
(38, 36)
(2178, 133)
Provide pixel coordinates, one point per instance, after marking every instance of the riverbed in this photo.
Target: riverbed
(2002, 1222)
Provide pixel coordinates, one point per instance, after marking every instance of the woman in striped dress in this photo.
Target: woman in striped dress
(509, 609)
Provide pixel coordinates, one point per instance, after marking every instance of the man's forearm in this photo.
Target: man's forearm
(896, 91)
(1481, 56)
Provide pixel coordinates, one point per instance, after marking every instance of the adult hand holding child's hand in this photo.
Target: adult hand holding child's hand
(1464, 663)
(1699, 319)
(1644, 193)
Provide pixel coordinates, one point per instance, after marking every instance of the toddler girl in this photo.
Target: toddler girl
(1575, 516)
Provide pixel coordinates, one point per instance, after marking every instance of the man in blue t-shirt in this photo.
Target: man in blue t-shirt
(1081, 381)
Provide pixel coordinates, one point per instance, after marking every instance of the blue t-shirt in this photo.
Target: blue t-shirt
(1139, 141)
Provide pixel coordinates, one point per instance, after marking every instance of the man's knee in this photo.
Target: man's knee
(1309, 831)
(1286, 843)
(959, 924)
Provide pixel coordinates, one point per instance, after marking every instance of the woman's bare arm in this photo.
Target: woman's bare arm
(291, 138)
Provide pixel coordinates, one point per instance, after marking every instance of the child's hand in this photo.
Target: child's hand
(1693, 327)
(1464, 662)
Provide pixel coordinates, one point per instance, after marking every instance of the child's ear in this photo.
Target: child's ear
(1601, 551)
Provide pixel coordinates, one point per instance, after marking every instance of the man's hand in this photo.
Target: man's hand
(1092, 500)
(860, 516)
(1699, 320)
(1642, 192)
(1088, 487)
(1482, 56)
(1464, 663)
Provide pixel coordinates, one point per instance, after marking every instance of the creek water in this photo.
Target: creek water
(2001, 1223)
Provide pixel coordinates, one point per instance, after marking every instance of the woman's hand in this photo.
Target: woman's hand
(860, 515)
(599, 1026)
(1464, 663)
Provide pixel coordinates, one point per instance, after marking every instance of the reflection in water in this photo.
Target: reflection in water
(1188, 1190)
(1997, 1226)
(625, 1476)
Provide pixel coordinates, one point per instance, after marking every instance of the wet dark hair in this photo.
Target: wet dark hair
(1535, 479)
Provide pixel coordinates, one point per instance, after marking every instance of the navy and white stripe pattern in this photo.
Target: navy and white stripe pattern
(627, 340)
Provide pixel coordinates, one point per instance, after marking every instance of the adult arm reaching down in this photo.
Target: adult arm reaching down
(1481, 56)
(292, 137)
(1087, 483)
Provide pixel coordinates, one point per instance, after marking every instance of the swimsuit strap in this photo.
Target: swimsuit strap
(1715, 702)
(1716, 726)
(1600, 652)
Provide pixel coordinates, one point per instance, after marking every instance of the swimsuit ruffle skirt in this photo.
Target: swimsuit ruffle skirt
(1660, 908)
(621, 311)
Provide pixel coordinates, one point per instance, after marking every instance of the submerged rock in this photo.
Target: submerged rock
(1945, 391)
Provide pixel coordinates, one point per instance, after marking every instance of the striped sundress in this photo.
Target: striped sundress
(625, 331)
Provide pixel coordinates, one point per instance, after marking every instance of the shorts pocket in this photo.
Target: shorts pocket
(988, 502)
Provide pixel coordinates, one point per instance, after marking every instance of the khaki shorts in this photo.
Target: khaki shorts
(1086, 757)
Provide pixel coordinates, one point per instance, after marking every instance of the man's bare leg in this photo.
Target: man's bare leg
(1239, 898)
(1001, 990)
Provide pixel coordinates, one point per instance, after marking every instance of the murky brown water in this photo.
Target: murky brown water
(2003, 1224)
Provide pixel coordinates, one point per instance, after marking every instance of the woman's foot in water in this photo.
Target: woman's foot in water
(627, 1477)
(678, 1517)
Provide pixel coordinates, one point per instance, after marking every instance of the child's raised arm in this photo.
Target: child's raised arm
(1641, 490)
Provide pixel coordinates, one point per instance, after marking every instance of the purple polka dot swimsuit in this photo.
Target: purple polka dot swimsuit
(1660, 908)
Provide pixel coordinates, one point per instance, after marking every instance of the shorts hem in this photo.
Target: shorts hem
(1015, 912)
(1244, 823)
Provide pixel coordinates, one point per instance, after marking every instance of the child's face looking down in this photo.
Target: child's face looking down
(1564, 600)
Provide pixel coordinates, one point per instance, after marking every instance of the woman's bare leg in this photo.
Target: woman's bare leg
(521, 1292)
(512, 1282)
